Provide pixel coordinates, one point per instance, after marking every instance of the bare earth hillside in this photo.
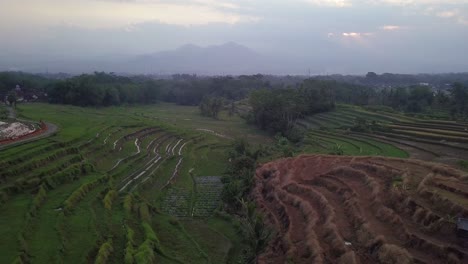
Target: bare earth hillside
(336, 209)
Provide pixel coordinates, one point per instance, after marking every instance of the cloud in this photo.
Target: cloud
(212, 3)
(447, 14)
(330, 3)
(356, 34)
(120, 13)
(456, 15)
(420, 2)
(390, 27)
(437, 8)
(220, 4)
(463, 21)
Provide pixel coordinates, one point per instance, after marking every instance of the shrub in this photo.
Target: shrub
(129, 251)
(144, 212)
(104, 252)
(79, 194)
(150, 235)
(110, 196)
(128, 203)
(145, 253)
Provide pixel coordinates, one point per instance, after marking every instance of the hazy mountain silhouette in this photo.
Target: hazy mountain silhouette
(228, 58)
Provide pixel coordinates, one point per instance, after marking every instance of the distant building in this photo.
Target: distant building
(462, 227)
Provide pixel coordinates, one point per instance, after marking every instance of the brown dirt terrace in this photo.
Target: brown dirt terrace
(336, 209)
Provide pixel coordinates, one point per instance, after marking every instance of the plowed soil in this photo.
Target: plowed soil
(335, 209)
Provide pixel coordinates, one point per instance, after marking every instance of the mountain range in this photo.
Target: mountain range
(226, 59)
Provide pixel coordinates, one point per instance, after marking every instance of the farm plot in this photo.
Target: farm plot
(208, 195)
(202, 202)
(177, 202)
(362, 210)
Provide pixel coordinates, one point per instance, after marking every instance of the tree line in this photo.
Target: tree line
(9, 80)
(102, 89)
(293, 96)
(411, 99)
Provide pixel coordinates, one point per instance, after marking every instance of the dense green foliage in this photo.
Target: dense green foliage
(239, 181)
(411, 99)
(190, 90)
(9, 80)
(278, 110)
(103, 89)
(300, 96)
(459, 100)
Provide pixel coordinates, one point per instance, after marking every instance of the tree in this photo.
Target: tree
(441, 100)
(111, 97)
(255, 231)
(420, 97)
(459, 94)
(371, 75)
(211, 106)
(232, 109)
(11, 98)
(398, 98)
(277, 110)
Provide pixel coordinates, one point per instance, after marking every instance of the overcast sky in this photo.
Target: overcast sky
(343, 36)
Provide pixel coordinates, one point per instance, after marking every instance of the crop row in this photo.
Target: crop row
(435, 131)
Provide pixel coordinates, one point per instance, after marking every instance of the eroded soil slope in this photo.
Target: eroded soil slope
(335, 209)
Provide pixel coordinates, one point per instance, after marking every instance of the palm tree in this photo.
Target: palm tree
(256, 231)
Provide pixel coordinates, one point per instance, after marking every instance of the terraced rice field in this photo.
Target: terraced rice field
(331, 209)
(433, 140)
(99, 189)
(327, 142)
(345, 115)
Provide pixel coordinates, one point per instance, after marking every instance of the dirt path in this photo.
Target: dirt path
(11, 113)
